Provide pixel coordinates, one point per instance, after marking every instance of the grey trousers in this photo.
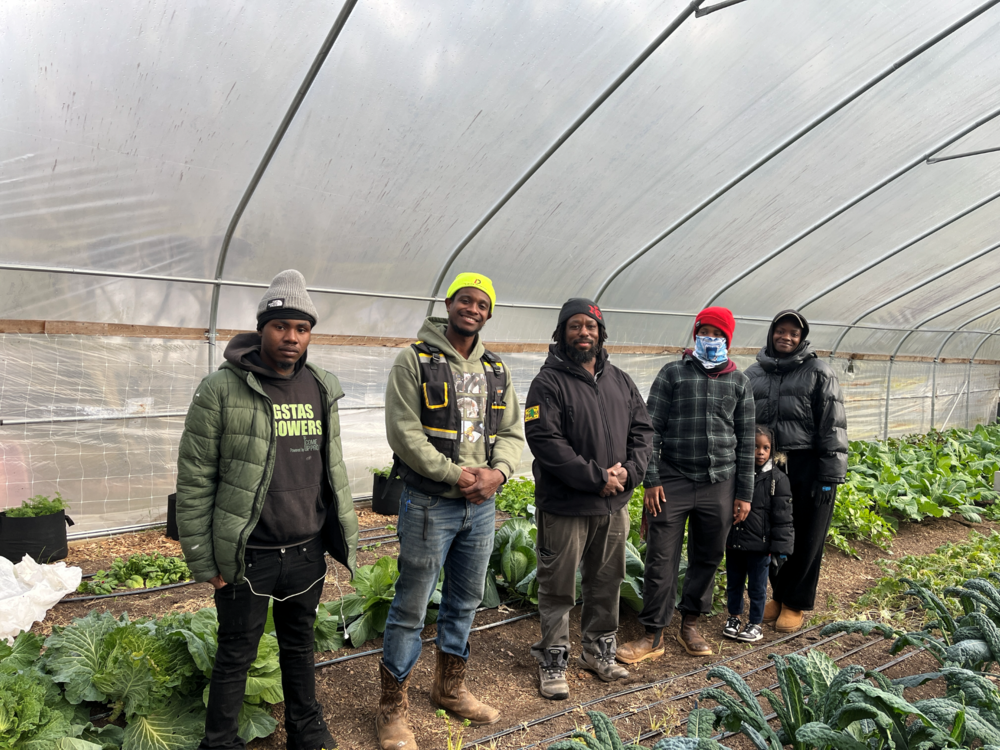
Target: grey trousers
(708, 510)
(595, 545)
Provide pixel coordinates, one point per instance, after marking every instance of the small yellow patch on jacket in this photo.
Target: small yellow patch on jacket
(532, 412)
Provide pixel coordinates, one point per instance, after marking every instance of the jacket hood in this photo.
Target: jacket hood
(432, 332)
(730, 366)
(768, 358)
(557, 360)
(243, 352)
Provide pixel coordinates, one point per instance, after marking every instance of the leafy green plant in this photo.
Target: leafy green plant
(515, 496)
(137, 572)
(39, 505)
(384, 472)
(514, 561)
(822, 706)
(949, 565)
(604, 737)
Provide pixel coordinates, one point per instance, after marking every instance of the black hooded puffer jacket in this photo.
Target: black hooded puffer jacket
(799, 397)
(768, 527)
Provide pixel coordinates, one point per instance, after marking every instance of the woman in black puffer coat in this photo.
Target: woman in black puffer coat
(798, 396)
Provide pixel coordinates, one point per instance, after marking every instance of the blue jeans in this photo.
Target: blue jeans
(750, 568)
(436, 532)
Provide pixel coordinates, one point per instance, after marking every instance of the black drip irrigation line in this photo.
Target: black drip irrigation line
(374, 651)
(692, 693)
(132, 592)
(673, 698)
(640, 688)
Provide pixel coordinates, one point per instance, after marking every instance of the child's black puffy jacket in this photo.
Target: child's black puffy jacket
(768, 528)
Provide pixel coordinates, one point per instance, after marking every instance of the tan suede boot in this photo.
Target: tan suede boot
(392, 720)
(772, 610)
(449, 692)
(649, 646)
(789, 621)
(689, 637)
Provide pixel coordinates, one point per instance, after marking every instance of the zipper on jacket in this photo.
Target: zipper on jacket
(265, 479)
(327, 407)
(607, 434)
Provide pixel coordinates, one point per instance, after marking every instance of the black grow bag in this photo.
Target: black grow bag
(385, 495)
(172, 532)
(43, 538)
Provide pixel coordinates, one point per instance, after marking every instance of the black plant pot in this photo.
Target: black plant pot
(172, 532)
(43, 538)
(385, 495)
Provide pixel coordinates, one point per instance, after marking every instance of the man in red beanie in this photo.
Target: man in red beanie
(701, 474)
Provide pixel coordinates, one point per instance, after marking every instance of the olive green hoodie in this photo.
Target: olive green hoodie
(402, 414)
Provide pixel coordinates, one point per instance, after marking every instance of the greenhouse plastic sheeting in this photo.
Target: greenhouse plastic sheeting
(757, 156)
(158, 167)
(115, 463)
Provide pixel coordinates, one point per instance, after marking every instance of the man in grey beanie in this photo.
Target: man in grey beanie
(262, 493)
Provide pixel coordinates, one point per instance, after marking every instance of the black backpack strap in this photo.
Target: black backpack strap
(422, 347)
(494, 362)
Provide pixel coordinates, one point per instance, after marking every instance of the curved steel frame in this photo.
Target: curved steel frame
(272, 147)
(896, 250)
(978, 122)
(930, 279)
(895, 353)
(858, 92)
(968, 377)
(582, 118)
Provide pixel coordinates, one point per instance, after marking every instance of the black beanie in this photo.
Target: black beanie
(580, 305)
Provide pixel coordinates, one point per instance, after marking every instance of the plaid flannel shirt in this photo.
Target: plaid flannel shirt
(703, 426)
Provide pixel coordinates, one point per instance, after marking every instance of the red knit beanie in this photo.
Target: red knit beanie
(719, 317)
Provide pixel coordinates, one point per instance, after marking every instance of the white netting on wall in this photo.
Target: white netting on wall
(110, 413)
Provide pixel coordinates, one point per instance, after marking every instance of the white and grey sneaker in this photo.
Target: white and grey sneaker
(552, 674)
(603, 662)
(733, 626)
(752, 632)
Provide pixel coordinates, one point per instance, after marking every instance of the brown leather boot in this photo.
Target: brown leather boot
(689, 637)
(789, 621)
(392, 720)
(771, 611)
(649, 646)
(449, 692)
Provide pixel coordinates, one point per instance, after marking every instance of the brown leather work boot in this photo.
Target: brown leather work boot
(392, 720)
(772, 610)
(449, 692)
(649, 646)
(789, 621)
(689, 637)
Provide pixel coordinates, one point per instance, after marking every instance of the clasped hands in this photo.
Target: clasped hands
(617, 477)
(479, 485)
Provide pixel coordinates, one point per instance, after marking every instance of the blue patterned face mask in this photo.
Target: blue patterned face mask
(710, 350)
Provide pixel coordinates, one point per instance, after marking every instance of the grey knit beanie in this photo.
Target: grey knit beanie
(287, 299)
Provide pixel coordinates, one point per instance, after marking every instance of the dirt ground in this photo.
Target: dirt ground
(501, 671)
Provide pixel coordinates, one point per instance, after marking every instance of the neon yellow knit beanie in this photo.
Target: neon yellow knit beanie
(476, 281)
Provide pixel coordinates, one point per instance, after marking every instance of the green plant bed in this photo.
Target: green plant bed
(913, 478)
(137, 572)
(36, 506)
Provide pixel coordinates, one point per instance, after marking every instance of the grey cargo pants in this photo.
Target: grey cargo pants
(595, 545)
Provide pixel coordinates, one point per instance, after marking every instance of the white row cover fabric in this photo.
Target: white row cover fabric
(28, 590)
(129, 133)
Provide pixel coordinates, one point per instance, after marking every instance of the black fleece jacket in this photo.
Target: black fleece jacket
(768, 528)
(577, 428)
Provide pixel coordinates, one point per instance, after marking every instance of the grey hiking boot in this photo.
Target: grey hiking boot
(602, 663)
(552, 674)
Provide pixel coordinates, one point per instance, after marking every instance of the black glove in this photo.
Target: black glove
(776, 562)
(823, 493)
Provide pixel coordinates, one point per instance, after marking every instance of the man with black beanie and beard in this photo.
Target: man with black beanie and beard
(591, 438)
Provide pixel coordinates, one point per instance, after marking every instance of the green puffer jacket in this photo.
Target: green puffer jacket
(224, 467)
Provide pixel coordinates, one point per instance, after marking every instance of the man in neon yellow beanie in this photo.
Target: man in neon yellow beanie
(453, 422)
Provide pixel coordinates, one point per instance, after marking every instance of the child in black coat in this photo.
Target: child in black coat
(765, 538)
